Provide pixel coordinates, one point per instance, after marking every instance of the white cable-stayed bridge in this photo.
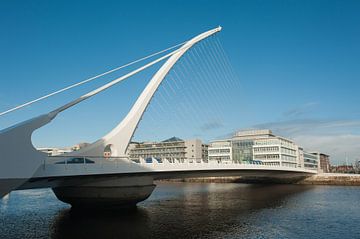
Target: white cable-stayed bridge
(194, 80)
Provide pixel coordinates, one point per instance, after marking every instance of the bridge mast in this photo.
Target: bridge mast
(119, 138)
(18, 157)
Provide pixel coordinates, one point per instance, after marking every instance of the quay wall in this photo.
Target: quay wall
(332, 179)
(318, 179)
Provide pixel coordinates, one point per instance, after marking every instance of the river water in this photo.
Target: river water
(193, 210)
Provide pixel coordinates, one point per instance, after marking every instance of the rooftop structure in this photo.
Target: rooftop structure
(256, 133)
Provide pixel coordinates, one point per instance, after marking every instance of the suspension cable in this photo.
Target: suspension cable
(88, 80)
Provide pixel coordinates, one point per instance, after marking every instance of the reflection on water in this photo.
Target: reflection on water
(190, 210)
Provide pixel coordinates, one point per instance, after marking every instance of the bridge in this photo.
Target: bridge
(101, 173)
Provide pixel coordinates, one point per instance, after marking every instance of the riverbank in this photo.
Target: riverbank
(318, 179)
(332, 179)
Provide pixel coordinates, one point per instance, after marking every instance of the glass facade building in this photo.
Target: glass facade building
(242, 150)
(261, 146)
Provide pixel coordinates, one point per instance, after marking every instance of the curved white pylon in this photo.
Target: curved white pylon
(19, 159)
(121, 135)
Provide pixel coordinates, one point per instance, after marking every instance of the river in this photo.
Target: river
(193, 210)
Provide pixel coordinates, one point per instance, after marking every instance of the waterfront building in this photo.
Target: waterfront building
(51, 151)
(55, 151)
(263, 146)
(311, 160)
(343, 169)
(171, 149)
(220, 151)
(255, 145)
(242, 143)
(301, 163)
(323, 162)
(276, 151)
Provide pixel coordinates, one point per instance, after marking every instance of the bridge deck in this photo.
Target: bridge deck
(53, 173)
(60, 168)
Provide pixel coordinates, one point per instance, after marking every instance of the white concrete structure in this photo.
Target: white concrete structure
(118, 181)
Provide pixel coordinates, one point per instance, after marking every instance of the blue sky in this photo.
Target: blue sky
(298, 63)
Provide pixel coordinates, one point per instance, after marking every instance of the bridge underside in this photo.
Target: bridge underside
(127, 189)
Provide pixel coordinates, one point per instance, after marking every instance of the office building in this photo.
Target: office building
(220, 151)
(311, 160)
(323, 162)
(242, 144)
(251, 146)
(173, 149)
(276, 150)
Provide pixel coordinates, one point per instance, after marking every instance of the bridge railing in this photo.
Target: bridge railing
(86, 164)
(76, 159)
(68, 160)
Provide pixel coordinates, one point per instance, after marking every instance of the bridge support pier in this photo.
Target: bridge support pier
(123, 192)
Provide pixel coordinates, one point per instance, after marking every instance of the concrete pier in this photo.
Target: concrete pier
(113, 193)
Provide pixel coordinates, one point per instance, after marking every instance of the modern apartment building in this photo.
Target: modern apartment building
(173, 149)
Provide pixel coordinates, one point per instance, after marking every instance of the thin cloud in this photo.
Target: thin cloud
(310, 126)
(338, 138)
(341, 148)
(212, 125)
(301, 110)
